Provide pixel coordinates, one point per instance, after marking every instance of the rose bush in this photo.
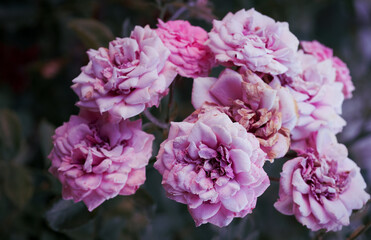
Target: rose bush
(269, 98)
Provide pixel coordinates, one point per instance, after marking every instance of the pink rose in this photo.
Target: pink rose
(250, 39)
(186, 44)
(129, 76)
(96, 159)
(318, 50)
(267, 111)
(343, 76)
(322, 53)
(322, 186)
(214, 166)
(319, 97)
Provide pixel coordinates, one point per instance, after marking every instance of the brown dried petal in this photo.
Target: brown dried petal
(264, 116)
(252, 94)
(270, 127)
(285, 132)
(207, 106)
(280, 148)
(269, 142)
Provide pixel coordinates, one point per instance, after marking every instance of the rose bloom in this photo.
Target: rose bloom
(319, 97)
(322, 186)
(250, 39)
(97, 159)
(214, 166)
(322, 53)
(267, 111)
(186, 44)
(132, 74)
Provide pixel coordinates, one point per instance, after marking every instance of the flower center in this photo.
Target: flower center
(218, 164)
(324, 178)
(92, 150)
(96, 140)
(122, 60)
(215, 163)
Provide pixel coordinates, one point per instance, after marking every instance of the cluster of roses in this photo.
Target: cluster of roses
(271, 97)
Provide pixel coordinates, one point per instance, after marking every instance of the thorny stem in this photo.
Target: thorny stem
(154, 120)
(319, 235)
(163, 11)
(171, 97)
(147, 126)
(178, 13)
(361, 229)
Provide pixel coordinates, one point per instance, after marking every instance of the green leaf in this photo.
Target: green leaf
(111, 228)
(46, 131)
(10, 137)
(92, 33)
(17, 184)
(86, 231)
(143, 199)
(66, 215)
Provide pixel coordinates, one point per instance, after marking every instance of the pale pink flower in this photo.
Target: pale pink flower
(343, 76)
(214, 166)
(267, 111)
(186, 44)
(132, 74)
(318, 50)
(322, 186)
(322, 53)
(250, 39)
(319, 97)
(97, 159)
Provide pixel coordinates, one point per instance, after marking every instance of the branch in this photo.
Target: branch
(274, 179)
(154, 120)
(361, 229)
(178, 13)
(171, 97)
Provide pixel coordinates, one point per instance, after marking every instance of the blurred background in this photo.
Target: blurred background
(43, 45)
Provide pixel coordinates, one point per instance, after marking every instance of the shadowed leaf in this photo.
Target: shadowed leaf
(46, 131)
(92, 33)
(10, 137)
(66, 215)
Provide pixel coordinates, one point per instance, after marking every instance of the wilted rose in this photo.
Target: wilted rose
(267, 111)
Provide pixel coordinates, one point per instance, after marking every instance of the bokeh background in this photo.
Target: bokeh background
(42, 48)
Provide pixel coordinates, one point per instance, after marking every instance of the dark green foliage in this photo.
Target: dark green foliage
(10, 137)
(92, 33)
(43, 45)
(65, 215)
